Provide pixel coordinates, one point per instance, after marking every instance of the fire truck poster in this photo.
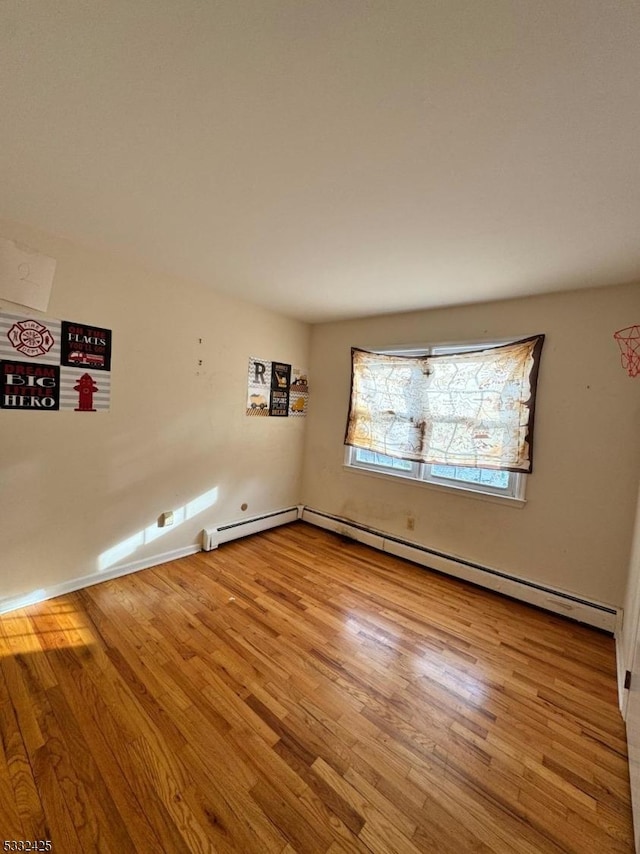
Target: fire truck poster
(55, 365)
(86, 346)
(276, 389)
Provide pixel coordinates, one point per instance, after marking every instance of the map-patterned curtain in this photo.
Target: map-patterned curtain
(472, 408)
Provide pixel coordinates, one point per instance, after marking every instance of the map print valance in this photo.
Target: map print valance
(472, 408)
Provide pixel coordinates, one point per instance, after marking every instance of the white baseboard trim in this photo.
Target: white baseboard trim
(593, 613)
(12, 603)
(213, 537)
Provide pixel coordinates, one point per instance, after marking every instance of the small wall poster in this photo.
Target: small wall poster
(298, 393)
(26, 276)
(30, 386)
(259, 388)
(280, 381)
(276, 389)
(48, 364)
(85, 346)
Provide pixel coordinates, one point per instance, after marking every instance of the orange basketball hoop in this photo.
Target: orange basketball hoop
(629, 342)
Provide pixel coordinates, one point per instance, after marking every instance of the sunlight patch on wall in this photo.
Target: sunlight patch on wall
(147, 535)
(202, 502)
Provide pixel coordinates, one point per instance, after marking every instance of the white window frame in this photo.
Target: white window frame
(421, 473)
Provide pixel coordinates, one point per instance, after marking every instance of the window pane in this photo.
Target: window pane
(376, 459)
(485, 477)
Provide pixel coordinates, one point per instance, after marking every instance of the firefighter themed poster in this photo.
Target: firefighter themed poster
(276, 389)
(49, 364)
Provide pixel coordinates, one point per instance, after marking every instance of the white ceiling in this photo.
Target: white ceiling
(332, 158)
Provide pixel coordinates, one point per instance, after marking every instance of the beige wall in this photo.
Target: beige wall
(575, 531)
(78, 492)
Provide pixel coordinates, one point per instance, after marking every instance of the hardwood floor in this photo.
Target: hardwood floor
(293, 692)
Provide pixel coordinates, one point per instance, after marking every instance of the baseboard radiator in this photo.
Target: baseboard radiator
(560, 602)
(213, 537)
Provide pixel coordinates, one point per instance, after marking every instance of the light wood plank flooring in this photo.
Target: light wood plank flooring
(294, 692)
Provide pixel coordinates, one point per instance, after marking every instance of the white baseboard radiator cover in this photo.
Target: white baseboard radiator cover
(595, 614)
(213, 537)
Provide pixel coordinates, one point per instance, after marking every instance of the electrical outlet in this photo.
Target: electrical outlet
(165, 519)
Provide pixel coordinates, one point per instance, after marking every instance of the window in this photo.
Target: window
(503, 484)
(397, 396)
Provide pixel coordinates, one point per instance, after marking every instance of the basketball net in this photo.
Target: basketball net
(629, 342)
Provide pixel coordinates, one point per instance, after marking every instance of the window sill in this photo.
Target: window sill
(505, 500)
